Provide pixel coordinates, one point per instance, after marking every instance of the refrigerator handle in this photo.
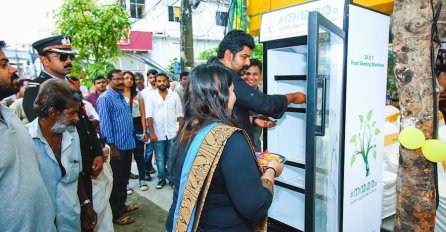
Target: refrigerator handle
(321, 93)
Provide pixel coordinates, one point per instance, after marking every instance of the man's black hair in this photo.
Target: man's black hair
(162, 74)
(183, 74)
(138, 74)
(99, 77)
(113, 71)
(2, 45)
(256, 62)
(235, 40)
(152, 71)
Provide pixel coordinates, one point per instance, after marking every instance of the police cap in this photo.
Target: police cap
(59, 44)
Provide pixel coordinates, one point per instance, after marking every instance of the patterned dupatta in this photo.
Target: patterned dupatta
(201, 161)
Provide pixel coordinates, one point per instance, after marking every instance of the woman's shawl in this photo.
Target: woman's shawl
(201, 161)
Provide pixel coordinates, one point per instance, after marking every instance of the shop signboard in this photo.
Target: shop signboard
(293, 21)
(364, 119)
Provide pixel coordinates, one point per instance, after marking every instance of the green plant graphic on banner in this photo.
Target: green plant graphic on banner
(365, 141)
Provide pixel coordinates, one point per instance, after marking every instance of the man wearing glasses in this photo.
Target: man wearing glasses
(56, 56)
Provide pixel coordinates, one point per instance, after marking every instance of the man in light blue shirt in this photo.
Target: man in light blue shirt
(58, 149)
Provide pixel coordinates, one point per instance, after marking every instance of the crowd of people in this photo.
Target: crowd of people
(68, 157)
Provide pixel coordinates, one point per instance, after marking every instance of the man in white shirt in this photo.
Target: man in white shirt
(163, 109)
(146, 92)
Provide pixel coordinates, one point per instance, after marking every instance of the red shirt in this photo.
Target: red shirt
(92, 98)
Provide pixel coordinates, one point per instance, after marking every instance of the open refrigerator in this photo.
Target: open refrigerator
(311, 175)
(310, 193)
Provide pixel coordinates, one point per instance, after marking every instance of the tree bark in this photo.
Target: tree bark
(411, 28)
(187, 39)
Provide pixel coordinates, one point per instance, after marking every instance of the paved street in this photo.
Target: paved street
(161, 197)
(153, 206)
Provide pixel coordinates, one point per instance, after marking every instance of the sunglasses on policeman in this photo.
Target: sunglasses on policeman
(63, 56)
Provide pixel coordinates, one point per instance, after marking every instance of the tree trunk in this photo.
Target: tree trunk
(411, 28)
(187, 39)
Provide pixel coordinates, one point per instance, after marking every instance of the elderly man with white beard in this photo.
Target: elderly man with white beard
(58, 150)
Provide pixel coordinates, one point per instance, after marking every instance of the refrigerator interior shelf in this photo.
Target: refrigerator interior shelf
(296, 164)
(292, 176)
(290, 77)
(296, 110)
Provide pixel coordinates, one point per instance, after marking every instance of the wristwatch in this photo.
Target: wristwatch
(87, 201)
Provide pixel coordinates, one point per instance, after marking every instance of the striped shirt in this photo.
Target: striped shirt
(116, 123)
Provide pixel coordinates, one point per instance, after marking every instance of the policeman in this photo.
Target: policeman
(56, 55)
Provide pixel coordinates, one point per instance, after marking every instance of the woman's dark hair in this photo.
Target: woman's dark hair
(55, 93)
(133, 90)
(206, 99)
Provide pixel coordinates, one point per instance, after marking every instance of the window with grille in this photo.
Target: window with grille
(137, 8)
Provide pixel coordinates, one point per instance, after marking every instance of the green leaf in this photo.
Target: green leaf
(353, 160)
(361, 118)
(369, 115)
(94, 29)
(377, 131)
(353, 139)
(374, 154)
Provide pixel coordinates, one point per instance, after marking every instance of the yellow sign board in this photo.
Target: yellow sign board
(257, 7)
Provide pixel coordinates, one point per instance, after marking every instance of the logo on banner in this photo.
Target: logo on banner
(365, 141)
(365, 148)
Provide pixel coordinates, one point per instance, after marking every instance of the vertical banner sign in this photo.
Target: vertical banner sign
(368, 35)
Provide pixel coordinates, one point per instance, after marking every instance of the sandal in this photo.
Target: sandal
(124, 220)
(130, 207)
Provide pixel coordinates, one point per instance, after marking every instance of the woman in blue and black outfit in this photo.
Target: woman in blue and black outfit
(218, 184)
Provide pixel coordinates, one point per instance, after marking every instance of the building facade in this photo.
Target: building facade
(154, 39)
